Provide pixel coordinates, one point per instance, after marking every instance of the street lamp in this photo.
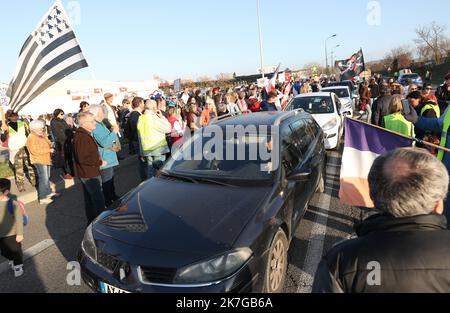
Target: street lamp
(261, 51)
(332, 55)
(326, 52)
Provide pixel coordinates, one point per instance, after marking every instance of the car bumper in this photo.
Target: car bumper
(246, 280)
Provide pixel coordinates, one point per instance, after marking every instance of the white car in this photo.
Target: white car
(344, 96)
(326, 109)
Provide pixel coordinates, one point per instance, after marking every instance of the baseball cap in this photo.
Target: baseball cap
(157, 94)
(171, 104)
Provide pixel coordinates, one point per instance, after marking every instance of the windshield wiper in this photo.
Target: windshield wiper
(179, 177)
(196, 180)
(214, 182)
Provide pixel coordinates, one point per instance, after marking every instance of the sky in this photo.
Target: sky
(136, 39)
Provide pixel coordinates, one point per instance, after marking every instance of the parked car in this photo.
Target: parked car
(414, 78)
(351, 86)
(326, 109)
(207, 225)
(345, 97)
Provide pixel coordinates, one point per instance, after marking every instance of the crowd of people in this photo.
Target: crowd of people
(85, 145)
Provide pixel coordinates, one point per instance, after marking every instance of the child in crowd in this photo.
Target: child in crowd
(11, 229)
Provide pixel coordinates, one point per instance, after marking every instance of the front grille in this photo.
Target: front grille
(107, 261)
(158, 275)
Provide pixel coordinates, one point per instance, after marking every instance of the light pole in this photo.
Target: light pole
(326, 52)
(332, 55)
(261, 50)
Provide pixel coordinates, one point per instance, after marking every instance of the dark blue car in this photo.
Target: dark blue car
(208, 225)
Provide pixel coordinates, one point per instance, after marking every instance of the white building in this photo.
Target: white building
(67, 95)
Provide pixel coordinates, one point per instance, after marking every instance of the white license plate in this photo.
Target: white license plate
(106, 288)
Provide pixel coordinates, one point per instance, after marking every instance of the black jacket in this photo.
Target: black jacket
(132, 132)
(380, 109)
(374, 91)
(61, 131)
(413, 254)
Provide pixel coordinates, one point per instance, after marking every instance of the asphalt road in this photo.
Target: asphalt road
(55, 232)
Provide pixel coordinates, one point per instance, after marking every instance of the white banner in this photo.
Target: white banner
(4, 100)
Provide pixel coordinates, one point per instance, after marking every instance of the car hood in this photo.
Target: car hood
(177, 216)
(323, 119)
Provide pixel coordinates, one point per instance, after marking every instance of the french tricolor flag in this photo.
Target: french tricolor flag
(363, 144)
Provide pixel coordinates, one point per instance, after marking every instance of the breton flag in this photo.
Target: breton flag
(50, 53)
(363, 144)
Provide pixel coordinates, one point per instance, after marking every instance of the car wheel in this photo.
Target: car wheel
(276, 264)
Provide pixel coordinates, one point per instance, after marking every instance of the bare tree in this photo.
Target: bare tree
(430, 39)
(398, 58)
(224, 76)
(203, 79)
(445, 47)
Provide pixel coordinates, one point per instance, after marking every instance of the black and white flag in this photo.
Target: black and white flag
(50, 53)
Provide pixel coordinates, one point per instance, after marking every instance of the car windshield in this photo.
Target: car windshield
(313, 105)
(345, 84)
(233, 160)
(341, 93)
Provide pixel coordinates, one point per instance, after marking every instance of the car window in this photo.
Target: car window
(289, 149)
(313, 127)
(304, 137)
(313, 105)
(341, 93)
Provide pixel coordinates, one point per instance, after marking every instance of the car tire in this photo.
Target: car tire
(276, 267)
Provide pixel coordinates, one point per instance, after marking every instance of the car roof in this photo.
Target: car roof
(335, 87)
(315, 94)
(259, 118)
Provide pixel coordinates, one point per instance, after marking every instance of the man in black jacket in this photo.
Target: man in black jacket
(380, 107)
(406, 248)
(443, 93)
(131, 133)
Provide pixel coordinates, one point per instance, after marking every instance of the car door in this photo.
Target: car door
(305, 150)
(339, 115)
(290, 162)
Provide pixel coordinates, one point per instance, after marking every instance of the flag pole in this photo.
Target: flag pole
(401, 135)
(90, 69)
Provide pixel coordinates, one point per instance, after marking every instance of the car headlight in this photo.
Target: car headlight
(88, 244)
(214, 269)
(330, 125)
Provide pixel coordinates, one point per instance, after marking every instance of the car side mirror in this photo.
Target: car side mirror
(300, 176)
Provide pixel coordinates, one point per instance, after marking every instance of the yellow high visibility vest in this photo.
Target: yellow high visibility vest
(444, 135)
(430, 106)
(17, 140)
(150, 139)
(396, 122)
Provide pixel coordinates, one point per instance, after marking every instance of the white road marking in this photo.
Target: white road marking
(317, 236)
(30, 253)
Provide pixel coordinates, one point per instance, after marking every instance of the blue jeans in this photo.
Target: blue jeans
(151, 160)
(43, 173)
(94, 200)
(109, 189)
(143, 168)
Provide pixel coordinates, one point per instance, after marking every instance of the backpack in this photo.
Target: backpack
(22, 210)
